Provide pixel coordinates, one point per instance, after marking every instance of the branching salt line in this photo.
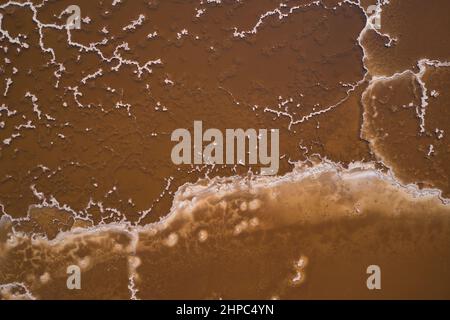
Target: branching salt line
(135, 23)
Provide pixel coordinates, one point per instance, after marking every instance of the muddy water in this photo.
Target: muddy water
(402, 132)
(86, 177)
(309, 234)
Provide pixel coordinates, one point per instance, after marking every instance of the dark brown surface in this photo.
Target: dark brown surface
(79, 152)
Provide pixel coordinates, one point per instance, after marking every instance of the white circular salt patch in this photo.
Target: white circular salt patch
(171, 240)
(134, 262)
(254, 204)
(254, 222)
(84, 263)
(44, 278)
(202, 235)
(240, 227)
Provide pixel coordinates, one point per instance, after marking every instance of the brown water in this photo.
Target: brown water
(86, 175)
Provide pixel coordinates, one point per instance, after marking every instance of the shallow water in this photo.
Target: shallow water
(86, 177)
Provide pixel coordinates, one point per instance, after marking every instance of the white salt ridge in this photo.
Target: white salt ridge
(8, 84)
(199, 12)
(276, 11)
(183, 32)
(430, 150)
(94, 75)
(135, 23)
(439, 133)
(5, 34)
(152, 35)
